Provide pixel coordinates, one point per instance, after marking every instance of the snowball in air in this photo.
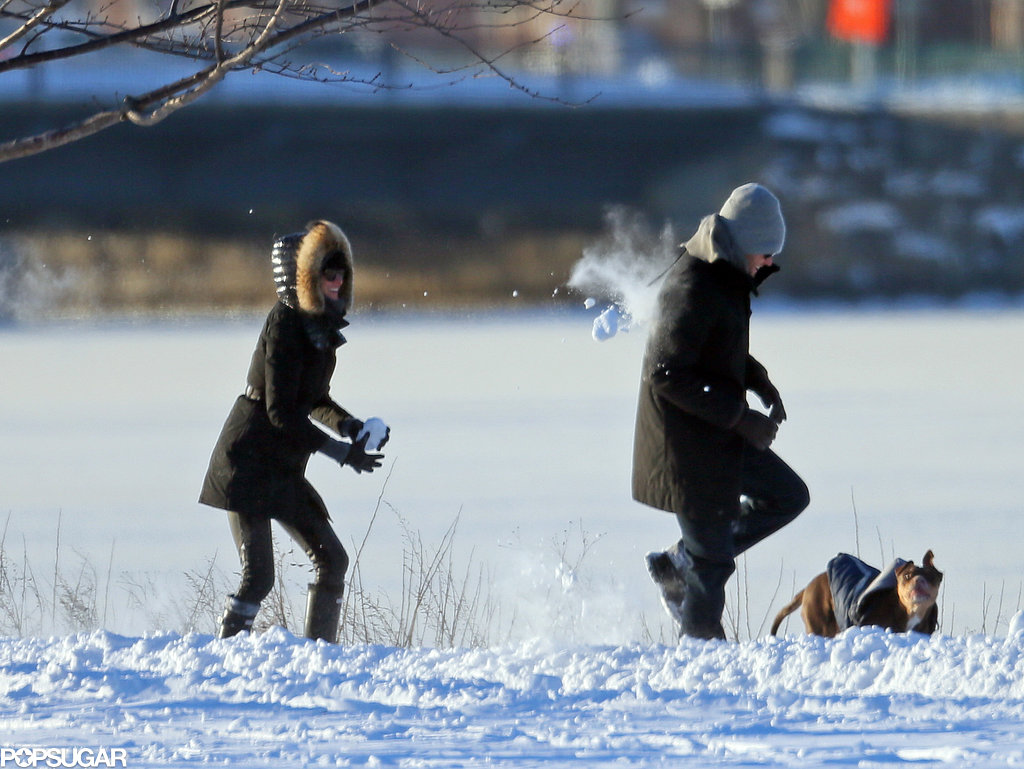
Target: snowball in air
(609, 323)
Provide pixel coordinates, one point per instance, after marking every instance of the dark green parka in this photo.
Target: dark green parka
(696, 372)
(258, 465)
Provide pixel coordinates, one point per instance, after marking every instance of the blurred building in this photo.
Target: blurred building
(778, 43)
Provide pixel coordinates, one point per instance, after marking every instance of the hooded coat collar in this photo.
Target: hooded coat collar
(298, 262)
(322, 240)
(713, 242)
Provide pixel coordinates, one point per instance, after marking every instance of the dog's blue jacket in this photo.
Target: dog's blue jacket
(853, 584)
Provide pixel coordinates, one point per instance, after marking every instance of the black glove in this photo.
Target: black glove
(350, 427)
(773, 402)
(352, 454)
(757, 429)
(359, 460)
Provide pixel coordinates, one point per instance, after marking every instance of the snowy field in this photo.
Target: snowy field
(905, 425)
(866, 699)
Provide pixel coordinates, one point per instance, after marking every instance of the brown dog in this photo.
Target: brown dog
(900, 599)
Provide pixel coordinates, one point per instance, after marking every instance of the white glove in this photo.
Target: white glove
(375, 432)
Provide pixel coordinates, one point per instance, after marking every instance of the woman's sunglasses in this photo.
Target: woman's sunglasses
(331, 275)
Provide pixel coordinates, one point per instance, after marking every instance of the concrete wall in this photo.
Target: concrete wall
(204, 169)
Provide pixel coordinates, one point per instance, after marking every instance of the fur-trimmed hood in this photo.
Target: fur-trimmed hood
(298, 260)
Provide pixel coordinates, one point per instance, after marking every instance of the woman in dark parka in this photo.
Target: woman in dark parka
(699, 451)
(257, 471)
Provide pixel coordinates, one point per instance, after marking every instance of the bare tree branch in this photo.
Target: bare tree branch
(218, 37)
(99, 42)
(32, 22)
(491, 62)
(235, 35)
(216, 74)
(20, 148)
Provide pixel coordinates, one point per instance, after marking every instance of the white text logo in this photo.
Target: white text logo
(63, 758)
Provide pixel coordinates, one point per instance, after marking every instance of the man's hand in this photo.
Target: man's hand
(773, 402)
(757, 429)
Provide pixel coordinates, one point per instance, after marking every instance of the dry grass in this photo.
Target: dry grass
(440, 603)
(130, 272)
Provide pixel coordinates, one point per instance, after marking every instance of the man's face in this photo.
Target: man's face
(756, 261)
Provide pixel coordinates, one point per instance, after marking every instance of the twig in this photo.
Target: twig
(56, 571)
(856, 522)
(106, 589)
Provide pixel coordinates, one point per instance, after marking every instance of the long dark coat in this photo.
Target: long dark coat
(687, 456)
(258, 464)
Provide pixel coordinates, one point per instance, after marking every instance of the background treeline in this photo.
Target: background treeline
(455, 205)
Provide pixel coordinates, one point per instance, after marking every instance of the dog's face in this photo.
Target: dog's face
(918, 586)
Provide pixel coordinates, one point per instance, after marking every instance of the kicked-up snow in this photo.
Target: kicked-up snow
(868, 698)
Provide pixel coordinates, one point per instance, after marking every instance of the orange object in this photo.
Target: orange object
(859, 21)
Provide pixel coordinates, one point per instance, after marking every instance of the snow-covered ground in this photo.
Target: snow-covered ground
(866, 699)
(905, 425)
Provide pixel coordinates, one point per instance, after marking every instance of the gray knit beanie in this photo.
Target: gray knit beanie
(755, 221)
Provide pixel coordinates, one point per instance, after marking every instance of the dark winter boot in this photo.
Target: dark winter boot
(238, 616)
(668, 570)
(323, 609)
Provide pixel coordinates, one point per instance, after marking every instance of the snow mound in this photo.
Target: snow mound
(278, 700)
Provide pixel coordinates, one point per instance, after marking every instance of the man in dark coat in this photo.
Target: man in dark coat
(257, 470)
(699, 450)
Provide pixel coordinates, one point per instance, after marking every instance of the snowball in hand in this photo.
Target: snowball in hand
(376, 431)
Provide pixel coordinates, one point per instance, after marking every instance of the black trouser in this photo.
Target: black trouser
(314, 535)
(773, 495)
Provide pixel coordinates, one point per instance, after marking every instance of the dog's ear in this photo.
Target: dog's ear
(929, 563)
